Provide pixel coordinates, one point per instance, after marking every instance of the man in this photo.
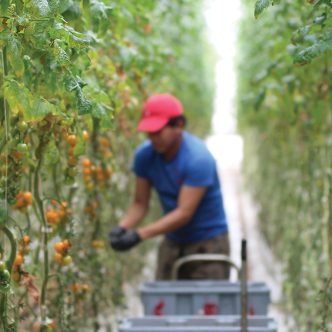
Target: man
(180, 168)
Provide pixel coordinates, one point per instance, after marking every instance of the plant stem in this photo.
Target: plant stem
(3, 311)
(45, 237)
(13, 248)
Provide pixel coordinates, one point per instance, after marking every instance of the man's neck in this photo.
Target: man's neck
(171, 153)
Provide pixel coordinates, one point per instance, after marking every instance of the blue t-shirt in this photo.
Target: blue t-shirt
(193, 166)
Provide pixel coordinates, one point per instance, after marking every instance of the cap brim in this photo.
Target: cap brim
(152, 124)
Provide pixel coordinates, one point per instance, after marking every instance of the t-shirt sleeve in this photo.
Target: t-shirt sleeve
(140, 162)
(200, 172)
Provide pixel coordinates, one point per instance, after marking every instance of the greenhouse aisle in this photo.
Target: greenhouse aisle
(243, 222)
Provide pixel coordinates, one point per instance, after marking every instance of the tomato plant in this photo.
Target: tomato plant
(73, 75)
(284, 112)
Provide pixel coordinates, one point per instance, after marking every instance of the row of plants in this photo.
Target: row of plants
(73, 76)
(284, 110)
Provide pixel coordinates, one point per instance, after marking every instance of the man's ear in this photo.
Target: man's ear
(181, 123)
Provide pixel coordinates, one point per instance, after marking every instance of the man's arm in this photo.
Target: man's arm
(140, 205)
(188, 201)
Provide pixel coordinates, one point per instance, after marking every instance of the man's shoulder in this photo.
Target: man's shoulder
(145, 149)
(195, 148)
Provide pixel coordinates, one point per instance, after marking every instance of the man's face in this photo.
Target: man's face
(166, 139)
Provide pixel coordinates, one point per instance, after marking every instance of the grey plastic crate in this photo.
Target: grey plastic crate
(196, 324)
(204, 297)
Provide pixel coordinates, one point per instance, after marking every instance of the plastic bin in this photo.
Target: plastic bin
(196, 324)
(204, 297)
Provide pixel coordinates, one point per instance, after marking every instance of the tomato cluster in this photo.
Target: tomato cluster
(61, 255)
(12, 158)
(58, 213)
(23, 200)
(95, 174)
(19, 259)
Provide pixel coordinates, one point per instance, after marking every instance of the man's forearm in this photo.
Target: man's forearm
(134, 215)
(170, 222)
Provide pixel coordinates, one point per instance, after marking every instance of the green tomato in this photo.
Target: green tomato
(4, 281)
(46, 328)
(22, 126)
(67, 260)
(5, 276)
(2, 266)
(72, 172)
(22, 147)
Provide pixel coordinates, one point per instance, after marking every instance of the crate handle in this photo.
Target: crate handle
(203, 258)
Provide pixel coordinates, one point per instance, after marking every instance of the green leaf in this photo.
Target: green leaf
(42, 6)
(260, 6)
(79, 148)
(69, 35)
(260, 99)
(20, 99)
(39, 108)
(4, 37)
(101, 111)
(17, 96)
(4, 4)
(84, 105)
(51, 154)
(14, 55)
(308, 54)
(98, 14)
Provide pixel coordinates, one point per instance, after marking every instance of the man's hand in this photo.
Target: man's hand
(125, 241)
(116, 232)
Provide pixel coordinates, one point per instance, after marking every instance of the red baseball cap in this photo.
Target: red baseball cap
(157, 111)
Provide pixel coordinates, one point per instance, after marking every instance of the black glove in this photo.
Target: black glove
(126, 241)
(115, 233)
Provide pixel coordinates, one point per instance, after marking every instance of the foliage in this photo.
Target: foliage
(284, 112)
(73, 75)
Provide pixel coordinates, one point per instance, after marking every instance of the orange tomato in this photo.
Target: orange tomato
(86, 162)
(27, 195)
(58, 258)
(19, 260)
(54, 202)
(64, 204)
(59, 247)
(71, 151)
(52, 216)
(72, 161)
(99, 170)
(72, 140)
(26, 239)
(86, 135)
(75, 287)
(103, 141)
(86, 171)
(66, 244)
